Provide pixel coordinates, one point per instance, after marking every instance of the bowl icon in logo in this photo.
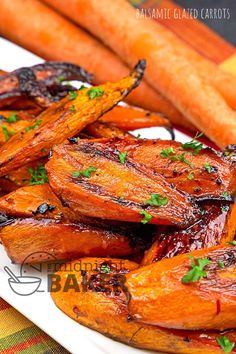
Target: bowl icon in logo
(22, 285)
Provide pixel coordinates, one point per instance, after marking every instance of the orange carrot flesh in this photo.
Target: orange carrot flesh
(44, 32)
(224, 82)
(131, 118)
(168, 71)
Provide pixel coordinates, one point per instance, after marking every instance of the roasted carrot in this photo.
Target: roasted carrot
(64, 119)
(104, 309)
(54, 38)
(217, 226)
(61, 240)
(98, 180)
(168, 71)
(131, 118)
(104, 130)
(191, 291)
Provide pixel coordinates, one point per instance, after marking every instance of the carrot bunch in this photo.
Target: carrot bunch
(191, 90)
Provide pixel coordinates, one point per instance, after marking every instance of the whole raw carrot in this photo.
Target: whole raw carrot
(224, 82)
(38, 28)
(168, 71)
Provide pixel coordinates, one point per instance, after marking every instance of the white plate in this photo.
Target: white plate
(39, 307)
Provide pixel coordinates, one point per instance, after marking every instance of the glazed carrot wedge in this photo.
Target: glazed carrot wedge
(60, 240)
(27, 114)
(37, 201)
(217, 226)
(103, 130)
(107, 313)
(99, 181)
(201, 172)
(224, 82)
(168, 71)
(131, 118)
(54, 38)
(173, 293)
(63, 120)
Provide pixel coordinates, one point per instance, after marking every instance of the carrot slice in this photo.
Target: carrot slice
(98, 180)
(178, 295)
(63, 120)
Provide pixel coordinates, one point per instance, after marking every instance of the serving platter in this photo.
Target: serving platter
(39, 307)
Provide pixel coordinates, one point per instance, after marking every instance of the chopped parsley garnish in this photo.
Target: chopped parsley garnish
(138, 136)
(95, 92)
(35, 126)
(73, 108)
(194, 145)
(224, 208)
(221, 264)
(60, 78)
(38, 175)
(72, 95)
(168, 152)
(190, 176)
(225, 194)
(225, 344)
(7, 133)
(208, 167)
(156, 200)
(233, 243)
(123, 156)
(197, 271)
(146, 217)
(105, 268)
(171, 154)
(85, 173)
(12, 118)
(82, 87)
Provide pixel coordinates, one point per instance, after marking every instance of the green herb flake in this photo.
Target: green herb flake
(171, 154)
(34, 126)
(190, 176)
(72, 95)
(225, 344)
(60, 78)
(167, 152)
(146, 217)
(7, 133)
(197, 271)
(123, 156)
(85, 173)
(38, 175)
(82, 87)
(12, 118)
(95, 92)
(157, 200)
(233, 243)
(221, 264)
(225, 194)
(224, 208)
(194, 145)
(73, 108)
(208, 167)
(105, 268)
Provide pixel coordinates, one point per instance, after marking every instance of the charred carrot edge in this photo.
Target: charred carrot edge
(168, 71)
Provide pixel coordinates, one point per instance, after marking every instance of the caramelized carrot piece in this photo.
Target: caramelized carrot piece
(98, 180)
(191, 291)
(107, 312)
(63, 120)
